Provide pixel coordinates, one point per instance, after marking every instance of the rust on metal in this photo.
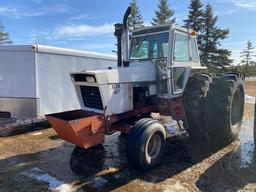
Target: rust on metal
(87, 129)
(114, 121)
(129, 114)
(172, 107)
(81, 128)
(123, 127)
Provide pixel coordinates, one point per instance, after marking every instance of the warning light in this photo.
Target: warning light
(193, 33)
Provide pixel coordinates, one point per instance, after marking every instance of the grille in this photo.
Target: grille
(79, 78)
(91, 97)
(82, 77)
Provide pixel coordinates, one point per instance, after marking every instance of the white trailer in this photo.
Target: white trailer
(35, 79)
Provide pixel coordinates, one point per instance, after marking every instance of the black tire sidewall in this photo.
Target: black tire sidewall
(140, 151)
(194, 101)
(237, 126)
(218, 110)
(134, 138)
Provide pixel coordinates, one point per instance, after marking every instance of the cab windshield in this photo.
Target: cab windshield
(149, 46)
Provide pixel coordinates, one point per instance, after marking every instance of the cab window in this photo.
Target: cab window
(194, 50)
(181, 48)
(141, 50)
(178, 78)
(149, 47)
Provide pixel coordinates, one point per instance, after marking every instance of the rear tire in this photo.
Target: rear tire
(194, 100)
(224, 109)
(146, 144)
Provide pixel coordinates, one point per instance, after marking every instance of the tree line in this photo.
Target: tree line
(4, 36)
(209, 36)
(201, 19)
(247, 65)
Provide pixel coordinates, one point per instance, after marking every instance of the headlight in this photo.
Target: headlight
(90, 79)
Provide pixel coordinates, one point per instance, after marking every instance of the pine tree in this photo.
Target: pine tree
(135, 20)
(211, 55)
(246, 56)
(247, 53)
(164, 14)
(4, 36)
(195, 19)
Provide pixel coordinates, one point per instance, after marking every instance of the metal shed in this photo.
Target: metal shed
(35, 80)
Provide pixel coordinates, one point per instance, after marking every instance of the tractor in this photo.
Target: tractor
(157, 92)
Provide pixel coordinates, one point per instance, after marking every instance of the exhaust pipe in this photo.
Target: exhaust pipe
(122, 35)
(126, 38)
(118, 34)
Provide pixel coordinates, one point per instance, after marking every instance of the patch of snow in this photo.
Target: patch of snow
(175, 188)
(250, 99)
(36, 133)
(54, 183)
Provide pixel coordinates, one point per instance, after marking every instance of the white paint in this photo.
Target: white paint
(55, 89)
(54, 183)
(250, 99)
(116, 86)
(36, 79)
(17, 74)
(56, 50)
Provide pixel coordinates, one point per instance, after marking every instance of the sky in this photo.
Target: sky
(88, 24)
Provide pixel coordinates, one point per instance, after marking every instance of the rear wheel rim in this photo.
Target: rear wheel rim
(236, 108)
(153, 146)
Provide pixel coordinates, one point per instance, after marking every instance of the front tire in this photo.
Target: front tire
(146, 144)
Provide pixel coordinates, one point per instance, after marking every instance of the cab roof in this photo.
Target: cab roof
(151, 29)
(159, 28)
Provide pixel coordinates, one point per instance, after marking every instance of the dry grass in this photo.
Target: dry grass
(250, 88)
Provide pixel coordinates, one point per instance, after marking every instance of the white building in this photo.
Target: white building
(35, 80)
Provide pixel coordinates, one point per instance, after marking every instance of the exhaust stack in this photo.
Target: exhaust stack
(122, 35)
(118, 34)
(126, 38)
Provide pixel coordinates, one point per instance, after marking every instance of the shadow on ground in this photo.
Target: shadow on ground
(105, 168)
(230, 173)
(237, 169)
(107, 162)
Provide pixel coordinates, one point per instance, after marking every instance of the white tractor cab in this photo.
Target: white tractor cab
(157, 91)
(158, 64)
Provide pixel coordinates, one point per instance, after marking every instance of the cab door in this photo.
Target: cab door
(181, 62)
(174, 71)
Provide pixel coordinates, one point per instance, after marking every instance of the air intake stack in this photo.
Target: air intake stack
(122, 35)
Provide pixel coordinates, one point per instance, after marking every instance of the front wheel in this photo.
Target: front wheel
(146, 144)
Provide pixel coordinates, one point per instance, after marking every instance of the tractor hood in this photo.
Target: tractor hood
(139, 72)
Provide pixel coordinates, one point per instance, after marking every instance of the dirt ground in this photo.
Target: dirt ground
(250, 87)
(40, 161)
